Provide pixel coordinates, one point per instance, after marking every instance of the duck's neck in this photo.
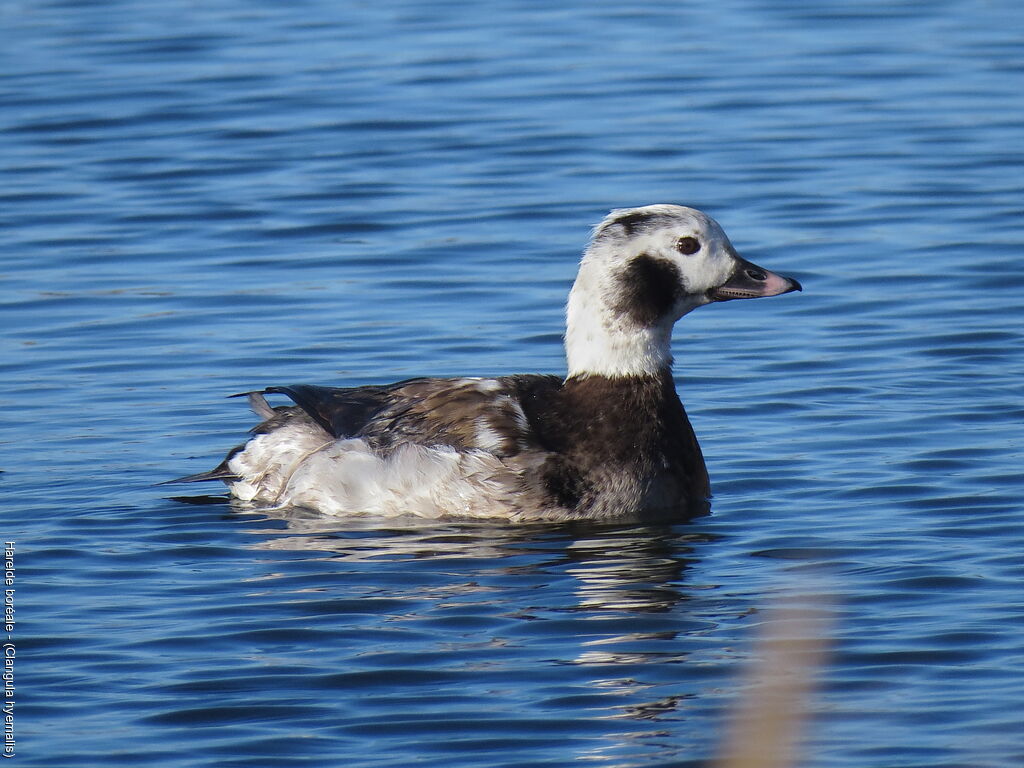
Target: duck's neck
(601, 341)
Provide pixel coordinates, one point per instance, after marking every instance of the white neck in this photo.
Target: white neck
(602, 342)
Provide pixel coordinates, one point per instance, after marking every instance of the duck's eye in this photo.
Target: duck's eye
(687, 245)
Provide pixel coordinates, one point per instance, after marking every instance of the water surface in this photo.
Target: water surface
(199, 199)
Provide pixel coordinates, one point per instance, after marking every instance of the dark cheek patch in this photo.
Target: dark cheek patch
(650, 289)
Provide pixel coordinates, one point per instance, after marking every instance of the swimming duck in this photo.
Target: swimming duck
(609, 441)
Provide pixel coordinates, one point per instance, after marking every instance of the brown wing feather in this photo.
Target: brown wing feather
(341, 411)
(462, 413)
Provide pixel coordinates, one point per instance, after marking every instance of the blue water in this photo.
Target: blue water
(198, 199)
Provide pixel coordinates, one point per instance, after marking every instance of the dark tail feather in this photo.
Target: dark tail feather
(220, 472)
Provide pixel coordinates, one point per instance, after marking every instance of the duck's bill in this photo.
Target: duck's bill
(750, 281)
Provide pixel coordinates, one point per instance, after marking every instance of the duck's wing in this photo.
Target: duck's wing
(485, 414)
(342, 412)
(464, 413)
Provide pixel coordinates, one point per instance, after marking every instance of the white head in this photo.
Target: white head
(644, 269)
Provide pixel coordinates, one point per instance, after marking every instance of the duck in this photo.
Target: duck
(608, 441)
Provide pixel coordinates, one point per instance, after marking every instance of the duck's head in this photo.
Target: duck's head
(644, 269)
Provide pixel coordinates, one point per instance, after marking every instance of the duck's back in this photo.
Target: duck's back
(427, 447)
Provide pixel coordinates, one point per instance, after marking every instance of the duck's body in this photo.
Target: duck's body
(609, 441)
(515, 447)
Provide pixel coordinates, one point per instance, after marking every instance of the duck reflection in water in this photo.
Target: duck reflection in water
(641, 643)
